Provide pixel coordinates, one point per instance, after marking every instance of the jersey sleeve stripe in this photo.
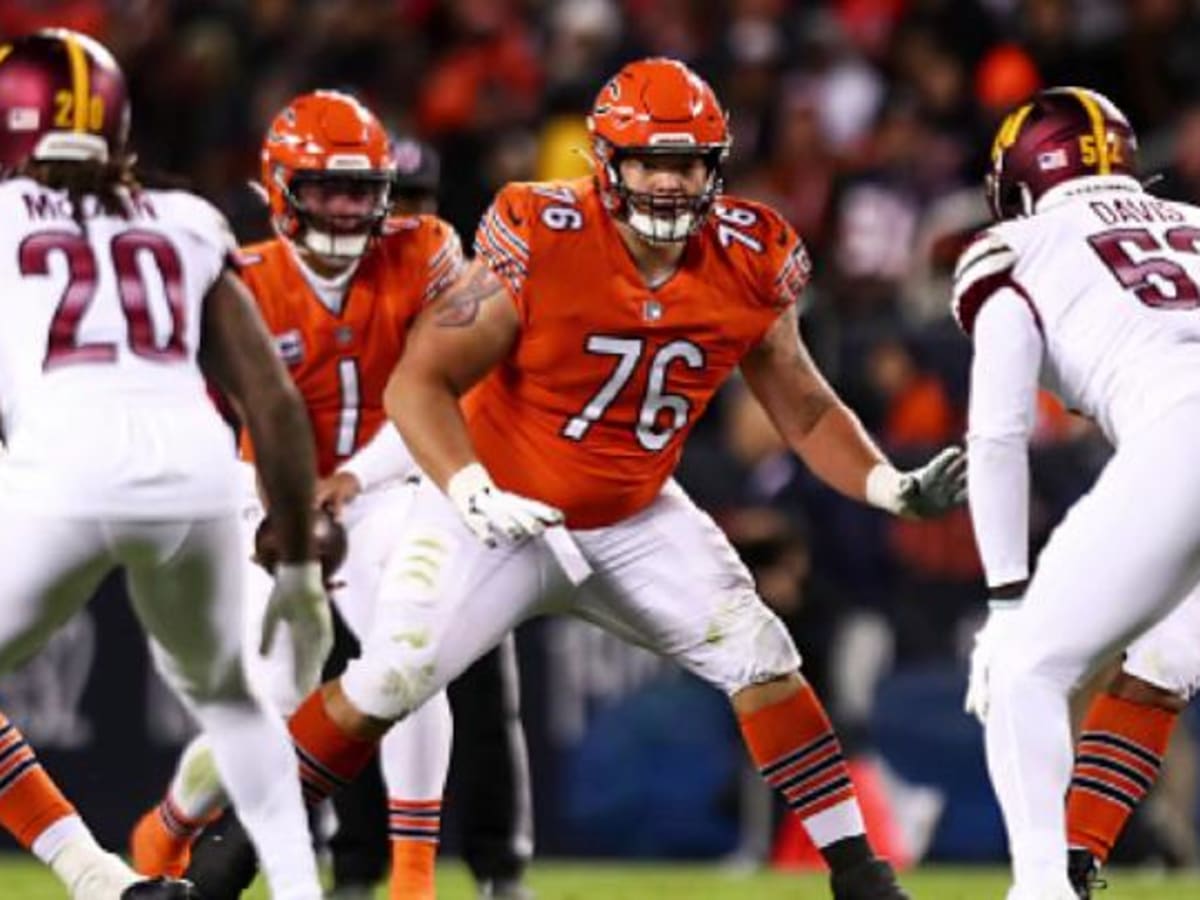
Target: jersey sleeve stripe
(969, 302)
(496, 221)
(445, 266)
(793, 277)
(496, 254)
(507, 267)
(984, 253)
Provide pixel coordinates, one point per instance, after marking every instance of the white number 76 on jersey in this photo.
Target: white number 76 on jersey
(628, 352)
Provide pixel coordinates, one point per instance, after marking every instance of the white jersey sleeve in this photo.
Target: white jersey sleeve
(1003, 401)
(382, 459)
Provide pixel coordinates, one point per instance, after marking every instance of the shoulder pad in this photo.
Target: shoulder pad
(983, 267)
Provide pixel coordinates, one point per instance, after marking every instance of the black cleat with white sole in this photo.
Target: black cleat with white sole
(871, 879)
(1083, 870)
(161, 889)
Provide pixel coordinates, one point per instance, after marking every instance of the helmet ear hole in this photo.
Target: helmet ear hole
(1014, 199)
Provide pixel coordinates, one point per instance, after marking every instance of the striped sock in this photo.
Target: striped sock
(29, 801)
(161, 841)
(795, 749)
(414, 827)
(329, 758)
(1120, 750)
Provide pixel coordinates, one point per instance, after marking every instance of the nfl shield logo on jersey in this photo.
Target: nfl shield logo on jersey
(290, 346)
(652, 311)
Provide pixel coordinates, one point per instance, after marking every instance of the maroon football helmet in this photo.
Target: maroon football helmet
(62, 97)
(1060, 134)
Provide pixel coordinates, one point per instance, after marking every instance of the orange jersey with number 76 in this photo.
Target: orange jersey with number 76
(341, 361)
(590, 410)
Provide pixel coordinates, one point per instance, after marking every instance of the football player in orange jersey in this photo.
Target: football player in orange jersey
(337, 286)
(494, 793)
(594, 326)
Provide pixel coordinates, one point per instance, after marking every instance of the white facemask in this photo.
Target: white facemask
(335, 246)
(661, 229)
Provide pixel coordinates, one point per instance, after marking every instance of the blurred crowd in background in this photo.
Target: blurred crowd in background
(865, 122)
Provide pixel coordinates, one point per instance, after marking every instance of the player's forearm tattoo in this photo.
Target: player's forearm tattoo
(459, 306)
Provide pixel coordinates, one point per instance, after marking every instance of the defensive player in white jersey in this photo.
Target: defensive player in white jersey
(119, 305)
(1094, 285)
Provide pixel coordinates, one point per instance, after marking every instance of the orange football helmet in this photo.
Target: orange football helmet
(657, 106)
(332, 141)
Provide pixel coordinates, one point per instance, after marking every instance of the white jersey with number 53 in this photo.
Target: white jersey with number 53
(104, 408)
(1111, 275)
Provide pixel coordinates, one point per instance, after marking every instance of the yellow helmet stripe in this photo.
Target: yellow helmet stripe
(1006, 136)
(1098, 131)
(79, 81)
(5, 49)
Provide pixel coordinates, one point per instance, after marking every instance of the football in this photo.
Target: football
(329, 536)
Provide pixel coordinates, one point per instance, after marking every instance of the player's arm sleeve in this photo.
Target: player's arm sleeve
(446, 265)
(502, 240)
(788, 268)
(383, 458)
(1003, 401)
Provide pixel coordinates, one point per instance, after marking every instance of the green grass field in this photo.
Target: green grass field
(26, 880)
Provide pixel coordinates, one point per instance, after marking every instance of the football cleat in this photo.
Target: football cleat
(223, 862)
(161, 889)
(1083, 870)
(872, 879)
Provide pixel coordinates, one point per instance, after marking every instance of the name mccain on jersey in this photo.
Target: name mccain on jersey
(42, 206)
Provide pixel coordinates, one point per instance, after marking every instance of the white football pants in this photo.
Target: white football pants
(1123, 557)
(666, 578)
(184, 580)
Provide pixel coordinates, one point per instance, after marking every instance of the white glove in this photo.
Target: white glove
(933, 489)
(495, 515)
(298, 598)
(988, 640)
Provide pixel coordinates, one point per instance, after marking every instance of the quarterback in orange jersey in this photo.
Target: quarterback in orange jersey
(338, 287)
(594, 326)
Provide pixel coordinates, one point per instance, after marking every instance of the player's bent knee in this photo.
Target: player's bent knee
(220, 680)
(389, 689)
(752, 648)
(1018, 666)
(1170, 662)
